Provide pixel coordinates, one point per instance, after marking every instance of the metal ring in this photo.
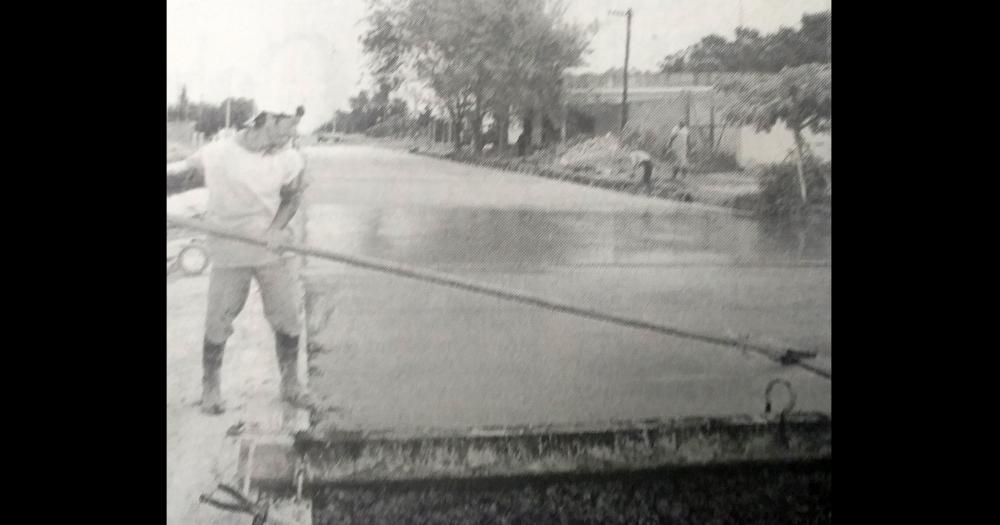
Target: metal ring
(791, 393)
(193, 248)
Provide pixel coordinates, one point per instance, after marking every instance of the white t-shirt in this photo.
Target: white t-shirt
(680, 145)
(244, 193)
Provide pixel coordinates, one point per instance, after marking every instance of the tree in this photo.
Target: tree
(753, 52)
(367, 112)
(479, 57)
(328, 126)
(211, 118)
(815, 33)
(784, 48)
(182, 103)
(384, 43)
(179, 111)
(800, 97)
(749, 51)
(537, 85)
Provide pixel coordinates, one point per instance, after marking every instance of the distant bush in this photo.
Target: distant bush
(396, 126)
(714, 162)
(779, 186)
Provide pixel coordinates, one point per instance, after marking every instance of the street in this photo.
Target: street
(399, 353)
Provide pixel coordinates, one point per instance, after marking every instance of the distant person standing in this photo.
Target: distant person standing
(680, 145)
(641, 159)
(522, 143)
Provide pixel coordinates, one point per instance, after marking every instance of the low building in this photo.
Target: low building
(657, 104)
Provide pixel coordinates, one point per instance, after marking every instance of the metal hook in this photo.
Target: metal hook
(767, 397)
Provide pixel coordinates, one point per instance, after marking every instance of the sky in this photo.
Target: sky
(283, 53)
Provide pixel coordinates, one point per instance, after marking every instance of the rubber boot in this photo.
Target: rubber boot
(211, 390)
(292, 392)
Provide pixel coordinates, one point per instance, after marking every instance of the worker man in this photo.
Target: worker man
(679, 144)
(255, 185)
(642, 160)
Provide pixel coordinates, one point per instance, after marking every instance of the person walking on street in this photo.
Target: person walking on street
(679, 144)
(255, 185)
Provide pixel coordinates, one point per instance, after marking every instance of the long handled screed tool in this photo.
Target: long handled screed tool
(785, 356)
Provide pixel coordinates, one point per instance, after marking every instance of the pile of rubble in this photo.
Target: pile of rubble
(605, 154)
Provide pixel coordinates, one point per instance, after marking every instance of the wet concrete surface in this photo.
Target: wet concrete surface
(402, 353)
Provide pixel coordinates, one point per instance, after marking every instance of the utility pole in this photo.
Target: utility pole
(628, 42)
(228, 110)
(711, 122)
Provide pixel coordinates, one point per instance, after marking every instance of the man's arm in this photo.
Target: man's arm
(184, 174)
(291, 198)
